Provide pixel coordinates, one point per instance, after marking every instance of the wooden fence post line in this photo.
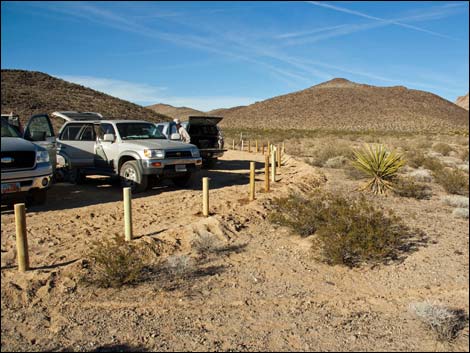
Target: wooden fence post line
(273, 165)
(266, 172)
(127, 213)
(21, 238)
(205, 197)
(252, 181)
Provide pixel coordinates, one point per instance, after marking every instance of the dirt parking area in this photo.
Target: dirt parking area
(260, 290)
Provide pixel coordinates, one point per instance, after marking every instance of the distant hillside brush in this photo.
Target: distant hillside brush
(380, 164)
(346, 231)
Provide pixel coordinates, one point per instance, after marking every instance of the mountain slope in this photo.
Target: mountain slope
(29, 92)
(462, 101)
(345, 105)
(175, 112)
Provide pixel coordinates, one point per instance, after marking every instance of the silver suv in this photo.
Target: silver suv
(25, 159)
(135, 150)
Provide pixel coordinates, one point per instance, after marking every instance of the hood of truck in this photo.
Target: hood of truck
(10, 144)
(204, 120)
(162, 144)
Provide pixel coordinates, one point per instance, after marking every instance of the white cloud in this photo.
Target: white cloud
(144, 94)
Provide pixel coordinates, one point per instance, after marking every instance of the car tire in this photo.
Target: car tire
(76, 176)
(132, 176)
(209, 163)
(183, 181)
(38, 197)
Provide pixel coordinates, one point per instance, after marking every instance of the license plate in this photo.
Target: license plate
(180, 167)
(11, 187)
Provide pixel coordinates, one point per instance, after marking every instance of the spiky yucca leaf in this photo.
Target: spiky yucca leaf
(379, 163)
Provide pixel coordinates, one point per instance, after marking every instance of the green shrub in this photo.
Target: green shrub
(347, 231)
(116, 262)
(406, 187)
(442, 148)
(454, 181)
(380, 164)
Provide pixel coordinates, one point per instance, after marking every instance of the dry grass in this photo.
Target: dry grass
(460, 212)
(407, 187)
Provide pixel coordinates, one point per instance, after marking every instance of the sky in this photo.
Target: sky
(208, 55)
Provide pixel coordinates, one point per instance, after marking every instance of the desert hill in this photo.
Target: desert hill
(29, 92)
(462, 101)
(345, 105)
(174, 112)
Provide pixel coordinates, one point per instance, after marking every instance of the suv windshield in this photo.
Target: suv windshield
(9, 131)
(139, 131)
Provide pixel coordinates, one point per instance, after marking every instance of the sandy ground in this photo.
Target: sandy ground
(261, 291)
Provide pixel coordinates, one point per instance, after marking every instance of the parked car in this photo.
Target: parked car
(134, 150)
(204, 133)
(26, 169)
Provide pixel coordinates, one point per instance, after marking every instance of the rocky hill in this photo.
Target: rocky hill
(175, 112)
(29, 92)
(345, 105)
(462, 101)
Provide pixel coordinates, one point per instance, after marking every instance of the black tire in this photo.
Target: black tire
(38, 197)
(183, 181)
(76, 176)
(209, 163)
(131, 176)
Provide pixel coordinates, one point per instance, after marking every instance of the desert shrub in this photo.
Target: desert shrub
(460, 212)
(456, 201)
(463, 155)
(445, 323)
(116, 262)
(326, 152)
(380, 164)
(463, 167)
(205, 243)
(454, 181)
(336, 162)
(406, 187)
(433, 164)
(415, 158)
(347, 231)
(179, 265)
(422, 175)
(442, 148)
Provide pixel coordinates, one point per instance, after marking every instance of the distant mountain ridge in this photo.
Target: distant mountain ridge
(30, 92)
(340, 104)
(174, 112)
(462, 101)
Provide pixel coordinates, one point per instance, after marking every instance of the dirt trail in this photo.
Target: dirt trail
(260, 291)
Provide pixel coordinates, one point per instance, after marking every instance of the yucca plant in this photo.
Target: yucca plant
(380, 164)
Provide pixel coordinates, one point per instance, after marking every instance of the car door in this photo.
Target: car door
(77, 143)
(39, 130)
(105, 151)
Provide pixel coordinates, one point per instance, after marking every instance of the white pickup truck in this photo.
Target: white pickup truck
(135, 150)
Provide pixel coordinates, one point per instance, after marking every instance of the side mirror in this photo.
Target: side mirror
(38, 136)
(175, 136)
(108, 138)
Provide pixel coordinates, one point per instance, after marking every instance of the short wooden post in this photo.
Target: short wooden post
(283, 147)
(252, 181)
(266, 172)
(249, 146)
(21, 237)
(127, 213)
(262, 147)
(256, 146)
(233, 144)
(241, 146)
(278, 149)
(273, 165)
(205, 197)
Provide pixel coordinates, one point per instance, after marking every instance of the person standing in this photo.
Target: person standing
(182, 131)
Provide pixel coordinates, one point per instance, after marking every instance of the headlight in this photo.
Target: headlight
(195, 153)
(42, 157)
(154, 153)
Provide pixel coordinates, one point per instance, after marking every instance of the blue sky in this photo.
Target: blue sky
(209, 55)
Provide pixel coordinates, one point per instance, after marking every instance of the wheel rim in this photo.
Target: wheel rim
(130, 177)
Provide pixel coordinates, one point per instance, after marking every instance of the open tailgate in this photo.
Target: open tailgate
(204, 120)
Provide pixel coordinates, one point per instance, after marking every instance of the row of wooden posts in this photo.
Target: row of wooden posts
(272, 158)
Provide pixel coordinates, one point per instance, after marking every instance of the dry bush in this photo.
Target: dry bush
(116, 262)
(442, 148)
(463, 155)
(415, 158)
(433, 164)
(422, 175)
(454, 181)
(205, 243)
(179, 265)
(456, 201)
(336, 162)
(445, 323)
(460, 212)
(406, 187)
(326, 152)
(347, 231)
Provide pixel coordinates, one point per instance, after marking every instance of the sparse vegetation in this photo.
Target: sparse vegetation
(454, 181)
(445, 323)
(205, 243)
(380, 164)
(406, 187)
(460, 212)
(422, 175)
(457, 201)
(116, 262)
(347, 231)
(179, 265)
(442, 148)
(415, 158)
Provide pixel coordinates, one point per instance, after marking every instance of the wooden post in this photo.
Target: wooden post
(21, 238)
(273, 165)
(241, 146)
(249, 146)
(256, 146)
(262, 147)
(278, 149)
(233, 144)
(266, 172)
(127, 214)
(283, 147)
(205, 197)
(252, 181)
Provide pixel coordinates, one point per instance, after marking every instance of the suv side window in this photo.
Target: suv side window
(106, 129)
(88, 134)
(71, 132)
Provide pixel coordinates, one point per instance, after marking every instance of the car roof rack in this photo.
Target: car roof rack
(77, 116)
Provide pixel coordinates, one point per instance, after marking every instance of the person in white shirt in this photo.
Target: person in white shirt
(182, 131)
